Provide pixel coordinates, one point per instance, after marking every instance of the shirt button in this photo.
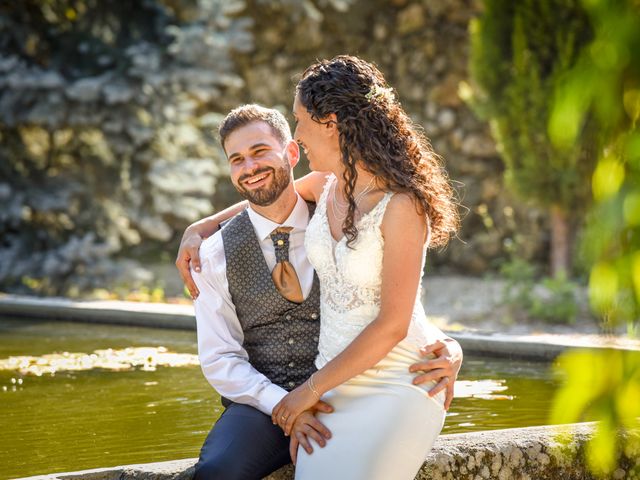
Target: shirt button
(315, 339)
(280, 242)
(288, 317)
(314, 315)
(292, 384)
(291, 341)
(292, 364)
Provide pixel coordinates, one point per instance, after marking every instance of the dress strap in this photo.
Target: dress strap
(376, 214)
(384, 201)
(322, 201)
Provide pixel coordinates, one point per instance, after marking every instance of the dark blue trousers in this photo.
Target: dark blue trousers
(242, 445)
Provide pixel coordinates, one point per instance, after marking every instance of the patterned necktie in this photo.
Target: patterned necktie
(284, 275)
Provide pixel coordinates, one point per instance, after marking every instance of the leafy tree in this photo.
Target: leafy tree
(549, 75)
(604, 86)
(519, 51)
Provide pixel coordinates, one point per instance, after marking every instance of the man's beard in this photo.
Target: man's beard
(270, 193)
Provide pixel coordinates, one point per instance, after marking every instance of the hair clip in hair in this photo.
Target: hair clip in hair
(380, 93)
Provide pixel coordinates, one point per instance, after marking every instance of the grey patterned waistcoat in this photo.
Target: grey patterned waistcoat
(281, 337)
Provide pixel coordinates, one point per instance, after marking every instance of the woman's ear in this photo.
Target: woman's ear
(331, 123)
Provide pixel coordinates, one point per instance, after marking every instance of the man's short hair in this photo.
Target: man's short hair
(245, 114)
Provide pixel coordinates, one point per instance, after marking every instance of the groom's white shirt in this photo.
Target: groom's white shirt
(224, 362)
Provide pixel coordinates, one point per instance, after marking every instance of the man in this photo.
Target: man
(257, 304)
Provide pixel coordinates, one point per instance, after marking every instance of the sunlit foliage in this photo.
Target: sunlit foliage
(603, 386)
(519, 51)
(604, 87)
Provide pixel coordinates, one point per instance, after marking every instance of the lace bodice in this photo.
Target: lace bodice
(351, 278)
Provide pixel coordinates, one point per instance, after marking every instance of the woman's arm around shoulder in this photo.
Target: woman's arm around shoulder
(188, 252)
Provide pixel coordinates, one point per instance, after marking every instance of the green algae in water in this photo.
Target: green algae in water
(91, 418)
(144, 358)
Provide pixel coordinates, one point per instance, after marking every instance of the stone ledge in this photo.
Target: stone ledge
(160, 315)
(511, 454)
(163, 315)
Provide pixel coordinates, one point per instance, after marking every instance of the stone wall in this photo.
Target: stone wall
(117, 160)
(107, 143)
(534, 453)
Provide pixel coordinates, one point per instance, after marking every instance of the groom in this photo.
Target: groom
(257, 305)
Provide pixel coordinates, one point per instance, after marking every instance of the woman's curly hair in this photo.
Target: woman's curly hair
(378, 135)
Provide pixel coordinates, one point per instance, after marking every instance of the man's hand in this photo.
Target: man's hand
(443, 369)
(189, 256)
(305, 426)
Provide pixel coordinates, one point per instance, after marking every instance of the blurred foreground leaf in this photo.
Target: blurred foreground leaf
(602, 386)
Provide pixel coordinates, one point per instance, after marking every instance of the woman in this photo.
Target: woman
(386, 200)
(382, 200)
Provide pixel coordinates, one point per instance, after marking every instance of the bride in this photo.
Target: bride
(382, 199)
(384, 202)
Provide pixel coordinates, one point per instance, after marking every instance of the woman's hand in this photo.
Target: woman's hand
(292, 405)
(189, 256)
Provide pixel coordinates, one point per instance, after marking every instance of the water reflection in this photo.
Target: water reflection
(484, 389)
(148, 358)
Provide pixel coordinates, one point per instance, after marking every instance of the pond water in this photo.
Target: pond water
(97, 410)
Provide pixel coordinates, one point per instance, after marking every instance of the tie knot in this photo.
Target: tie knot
(280, 239)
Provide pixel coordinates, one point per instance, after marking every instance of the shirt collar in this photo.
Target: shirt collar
(298, 219)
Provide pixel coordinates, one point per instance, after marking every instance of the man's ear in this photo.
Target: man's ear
(293, 153)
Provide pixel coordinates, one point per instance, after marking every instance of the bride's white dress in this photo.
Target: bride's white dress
(383, 426)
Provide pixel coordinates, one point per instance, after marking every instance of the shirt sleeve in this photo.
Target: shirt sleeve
(224, 362)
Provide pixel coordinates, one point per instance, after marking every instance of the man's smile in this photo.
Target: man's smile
(257, 180)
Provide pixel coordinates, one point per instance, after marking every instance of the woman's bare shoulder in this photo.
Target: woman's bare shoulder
(311, 185)
(402, 215)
